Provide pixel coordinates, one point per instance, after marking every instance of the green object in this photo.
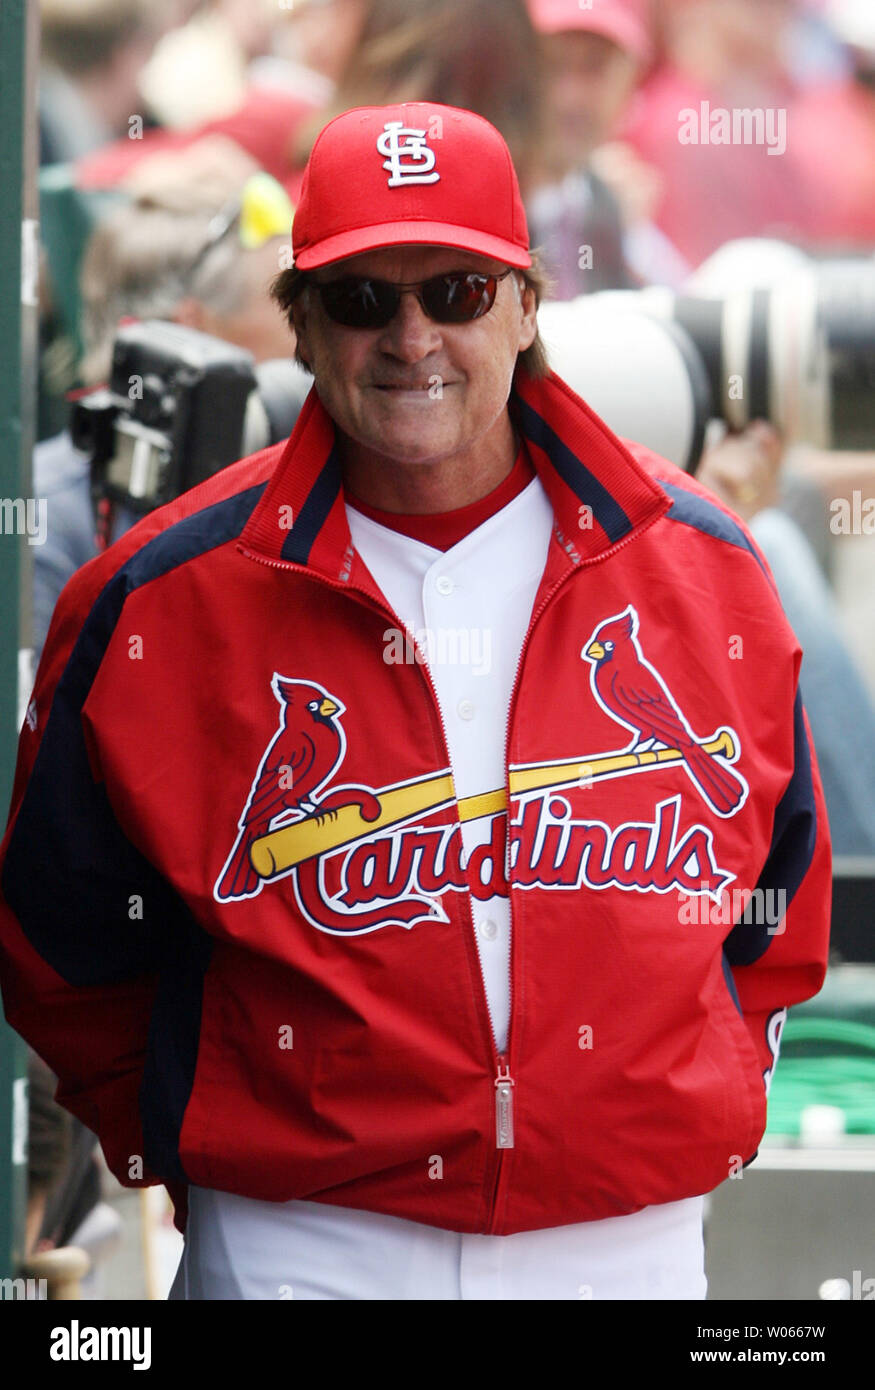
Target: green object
(67, 217)
(848, 993)
(65, 224)
(19, 35)
(824, 1061)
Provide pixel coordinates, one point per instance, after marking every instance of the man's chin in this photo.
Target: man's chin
(413, 453)
(410, 446)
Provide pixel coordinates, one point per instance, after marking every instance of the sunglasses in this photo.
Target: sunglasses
(457, 297)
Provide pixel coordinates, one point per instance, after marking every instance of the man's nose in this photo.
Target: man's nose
(411, 334)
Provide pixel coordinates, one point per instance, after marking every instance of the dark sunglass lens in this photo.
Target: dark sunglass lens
(459, 298)
(359, 303)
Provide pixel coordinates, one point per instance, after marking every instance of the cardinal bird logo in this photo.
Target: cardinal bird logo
(302, 756)
(632, 692)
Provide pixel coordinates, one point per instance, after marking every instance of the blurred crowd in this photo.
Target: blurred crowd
(173, 137)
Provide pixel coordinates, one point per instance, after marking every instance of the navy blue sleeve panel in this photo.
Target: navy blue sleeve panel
(794, 836)
(108, 994)
(172, 1050)
(779, 958)
(799, 852)
(70, 875)
(703, 514)
(87, 900)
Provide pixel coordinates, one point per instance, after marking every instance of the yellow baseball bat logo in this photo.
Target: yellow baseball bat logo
(282, 849)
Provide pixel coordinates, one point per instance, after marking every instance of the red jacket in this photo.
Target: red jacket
(235, 919)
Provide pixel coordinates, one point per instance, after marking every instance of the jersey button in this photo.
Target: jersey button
(489, 929)
(444, 584)
(465, 709)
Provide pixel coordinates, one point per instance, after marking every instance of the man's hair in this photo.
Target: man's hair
(290, 283)
(139, 262)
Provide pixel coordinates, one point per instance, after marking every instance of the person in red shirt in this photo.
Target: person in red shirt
(720, 179)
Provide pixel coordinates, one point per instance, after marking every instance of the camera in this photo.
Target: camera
(179, 406)
(784, 338)
(762, 333)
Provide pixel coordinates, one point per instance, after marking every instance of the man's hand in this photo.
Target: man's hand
(743, 469)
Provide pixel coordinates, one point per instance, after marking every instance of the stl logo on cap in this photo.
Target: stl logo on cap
(413, 146)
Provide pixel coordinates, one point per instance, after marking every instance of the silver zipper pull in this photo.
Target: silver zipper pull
(503, 1109)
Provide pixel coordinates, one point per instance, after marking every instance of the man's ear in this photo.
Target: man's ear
(529, 310)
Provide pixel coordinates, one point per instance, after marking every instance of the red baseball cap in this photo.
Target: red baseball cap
(626, 22)
(415, 172)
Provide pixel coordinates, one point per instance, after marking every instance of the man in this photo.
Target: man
(200, 250)
(394, 782)
(593, 59)
(590, 214)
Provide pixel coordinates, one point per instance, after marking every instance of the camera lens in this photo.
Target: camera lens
(846, 309)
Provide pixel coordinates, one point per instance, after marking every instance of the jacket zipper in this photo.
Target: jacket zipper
(503, 1082)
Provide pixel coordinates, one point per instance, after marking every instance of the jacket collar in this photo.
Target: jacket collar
(600, 494)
